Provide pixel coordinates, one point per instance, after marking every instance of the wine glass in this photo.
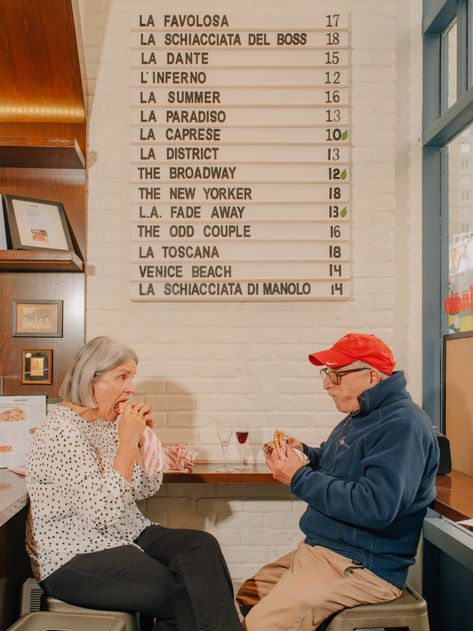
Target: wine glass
(241, 431)
(224, 431)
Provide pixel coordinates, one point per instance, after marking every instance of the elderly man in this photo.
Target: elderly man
(367, 488)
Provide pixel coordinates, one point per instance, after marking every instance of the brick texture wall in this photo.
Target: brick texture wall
(202, 362)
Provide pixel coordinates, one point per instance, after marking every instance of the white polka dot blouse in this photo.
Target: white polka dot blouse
(78, 503)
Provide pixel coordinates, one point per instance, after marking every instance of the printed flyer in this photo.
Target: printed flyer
(19, 418)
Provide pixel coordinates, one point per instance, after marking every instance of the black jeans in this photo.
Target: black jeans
(181, 579)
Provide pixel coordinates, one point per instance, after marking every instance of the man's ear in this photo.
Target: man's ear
(374, 377)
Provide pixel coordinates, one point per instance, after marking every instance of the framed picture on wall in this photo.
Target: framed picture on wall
(3, 231)
(37, 318)
(37, 224)
(37, 366)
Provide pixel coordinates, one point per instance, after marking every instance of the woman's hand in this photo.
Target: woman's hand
(135, 417)
(132, 424)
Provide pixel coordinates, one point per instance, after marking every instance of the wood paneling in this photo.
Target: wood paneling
(39, 62)
(42, 144)
(34, 286)
(61, 185)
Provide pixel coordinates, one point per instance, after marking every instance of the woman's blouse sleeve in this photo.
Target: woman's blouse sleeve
(143, 486)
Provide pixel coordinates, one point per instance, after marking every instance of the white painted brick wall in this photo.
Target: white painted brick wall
(206, 361)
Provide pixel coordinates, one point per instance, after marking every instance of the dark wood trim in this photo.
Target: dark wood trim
(40, 261)
(454, 496)
(35, 153)
(206, 473)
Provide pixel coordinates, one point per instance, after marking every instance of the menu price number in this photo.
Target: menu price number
(334, 192)
(336, 289)
(334, 251)
(337, 174)
(332, 96)
(333, 153)
(333, 116)
(335, 134)
(332, 20)
(332, 57)
(332, 77)
(335, 232)
(333, 38)
(335, 211)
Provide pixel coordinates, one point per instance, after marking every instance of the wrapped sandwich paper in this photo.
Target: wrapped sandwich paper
(158, 457)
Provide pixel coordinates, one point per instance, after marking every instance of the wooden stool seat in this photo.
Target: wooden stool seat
(409, 610)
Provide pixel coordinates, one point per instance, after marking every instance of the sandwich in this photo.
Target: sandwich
(279, 444)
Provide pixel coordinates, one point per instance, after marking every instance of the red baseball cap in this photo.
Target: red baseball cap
(357, 347)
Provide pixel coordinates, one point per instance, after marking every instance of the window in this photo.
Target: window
(449, 66)
(460, 237)
(447, 181)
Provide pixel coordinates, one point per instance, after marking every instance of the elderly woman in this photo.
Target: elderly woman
(88, 542)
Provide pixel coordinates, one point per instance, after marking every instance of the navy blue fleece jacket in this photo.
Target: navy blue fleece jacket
(368, 486)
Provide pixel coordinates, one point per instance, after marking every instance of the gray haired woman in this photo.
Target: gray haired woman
(88, 542)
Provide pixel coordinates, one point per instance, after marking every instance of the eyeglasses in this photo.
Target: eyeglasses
(335, 376)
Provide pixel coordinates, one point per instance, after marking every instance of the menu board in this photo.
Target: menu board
(240, 156)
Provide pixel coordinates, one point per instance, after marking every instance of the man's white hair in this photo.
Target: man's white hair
(359, 364)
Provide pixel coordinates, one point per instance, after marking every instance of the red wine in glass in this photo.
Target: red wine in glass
(241, 433)
(242, 437)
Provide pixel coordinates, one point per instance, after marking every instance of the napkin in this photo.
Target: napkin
(151, 453)
(179, 457)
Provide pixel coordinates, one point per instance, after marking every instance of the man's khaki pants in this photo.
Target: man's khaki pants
(303, 588)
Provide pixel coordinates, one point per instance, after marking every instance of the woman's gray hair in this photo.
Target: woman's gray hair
(92, 361)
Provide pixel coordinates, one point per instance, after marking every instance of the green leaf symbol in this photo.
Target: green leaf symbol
(343, 212)
(343, 174)
(345, 134)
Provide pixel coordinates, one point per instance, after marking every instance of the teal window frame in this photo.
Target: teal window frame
(439, 128)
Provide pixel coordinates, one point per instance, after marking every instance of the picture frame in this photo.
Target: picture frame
(37, 318)
(37, 366)
(37, 224)
(3, 229)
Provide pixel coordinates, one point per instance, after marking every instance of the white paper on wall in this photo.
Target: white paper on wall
(19, 418)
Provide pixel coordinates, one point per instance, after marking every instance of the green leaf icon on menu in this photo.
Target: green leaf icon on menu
(345, 134)
(343, 174)
(343, 212)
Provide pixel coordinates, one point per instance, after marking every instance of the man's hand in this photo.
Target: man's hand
(295, 443)
(284, 470)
